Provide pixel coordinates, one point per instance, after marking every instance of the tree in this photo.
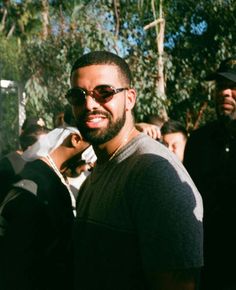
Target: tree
(197, 38)
(159, 24)
(202, 39)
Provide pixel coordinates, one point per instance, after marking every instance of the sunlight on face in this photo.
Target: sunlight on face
(225, 97)
(100, 122)
(176, 143)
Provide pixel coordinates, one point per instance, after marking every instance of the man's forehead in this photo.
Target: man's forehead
(101, 66)
(97, 73)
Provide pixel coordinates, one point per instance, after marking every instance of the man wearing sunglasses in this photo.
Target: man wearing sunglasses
(210, 158)
(139, 215)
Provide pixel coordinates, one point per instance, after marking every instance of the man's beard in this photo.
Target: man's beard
(225, 116)
(99, 136)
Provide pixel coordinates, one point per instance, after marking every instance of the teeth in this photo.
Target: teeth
(95, 120)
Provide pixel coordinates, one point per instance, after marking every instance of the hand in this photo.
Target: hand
(150, 129)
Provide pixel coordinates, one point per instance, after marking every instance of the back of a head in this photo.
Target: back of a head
(103, 58)
(30, 135)
(48, 143)
(31, 121)
(64, 118)
(155, 120)
(173, 126)
(69, 117)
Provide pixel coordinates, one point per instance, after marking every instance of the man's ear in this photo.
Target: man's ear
(78, 142)
(130, 99)
(75, 139)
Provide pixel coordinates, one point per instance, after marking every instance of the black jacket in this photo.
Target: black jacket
(36, 249)
(210, 158)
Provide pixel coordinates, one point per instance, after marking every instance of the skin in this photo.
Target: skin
(150, 129)
(98, 119)
(70, 149)
(225, 98)
(176, 143)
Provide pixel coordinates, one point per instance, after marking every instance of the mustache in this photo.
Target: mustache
(85, 115)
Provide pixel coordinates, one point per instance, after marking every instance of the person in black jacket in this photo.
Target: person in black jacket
(35, 249)
(210, 158)
(12, 163)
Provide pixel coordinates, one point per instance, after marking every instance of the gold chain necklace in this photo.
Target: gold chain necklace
(123, 143)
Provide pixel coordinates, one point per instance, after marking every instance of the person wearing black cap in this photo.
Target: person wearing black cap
(210, 158)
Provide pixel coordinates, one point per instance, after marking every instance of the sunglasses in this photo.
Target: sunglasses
(101, 94)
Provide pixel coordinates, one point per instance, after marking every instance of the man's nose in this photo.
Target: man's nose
(227, 92)
(90, 102)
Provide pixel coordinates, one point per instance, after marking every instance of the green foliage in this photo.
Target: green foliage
(9, 120)
(48, 63)
(198, 35)
(202, 39)
(48, 68)
(9, 62)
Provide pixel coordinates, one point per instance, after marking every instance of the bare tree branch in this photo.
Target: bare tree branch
(45, 17)
(11, 31)
(3, 21)
(200, 113)
(116, 4)
(152, 24)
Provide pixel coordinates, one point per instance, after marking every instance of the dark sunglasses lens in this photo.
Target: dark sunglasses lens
(75, 96)
(103, 93)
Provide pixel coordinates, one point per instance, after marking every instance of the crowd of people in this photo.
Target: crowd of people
(102, 202)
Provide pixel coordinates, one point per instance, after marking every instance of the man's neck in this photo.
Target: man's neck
(110, 149)
(57, 158)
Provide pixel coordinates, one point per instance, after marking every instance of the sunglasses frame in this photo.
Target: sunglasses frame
(101, 99)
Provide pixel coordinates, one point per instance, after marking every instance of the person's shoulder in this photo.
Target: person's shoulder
(150, 153)
(4, 161)
(36, 170)
(6, 166)
(145, 143)
(147, 146)
(206, 127)
(16, 161)
(35, 165)
(205, 131)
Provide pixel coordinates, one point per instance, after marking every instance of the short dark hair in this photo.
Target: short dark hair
(30, 135)
(32, 120)
(154, 119)
(173, 126)
(104, 57)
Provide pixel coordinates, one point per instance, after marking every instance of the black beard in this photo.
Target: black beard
(226, 118)
(101, 136)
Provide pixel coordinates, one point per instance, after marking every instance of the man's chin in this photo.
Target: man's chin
(227, 115)
(95, 136)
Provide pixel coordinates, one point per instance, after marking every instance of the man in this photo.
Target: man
(37, 216)
(12, 163)
(174, 136)
(139, 216)
(210, 158)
